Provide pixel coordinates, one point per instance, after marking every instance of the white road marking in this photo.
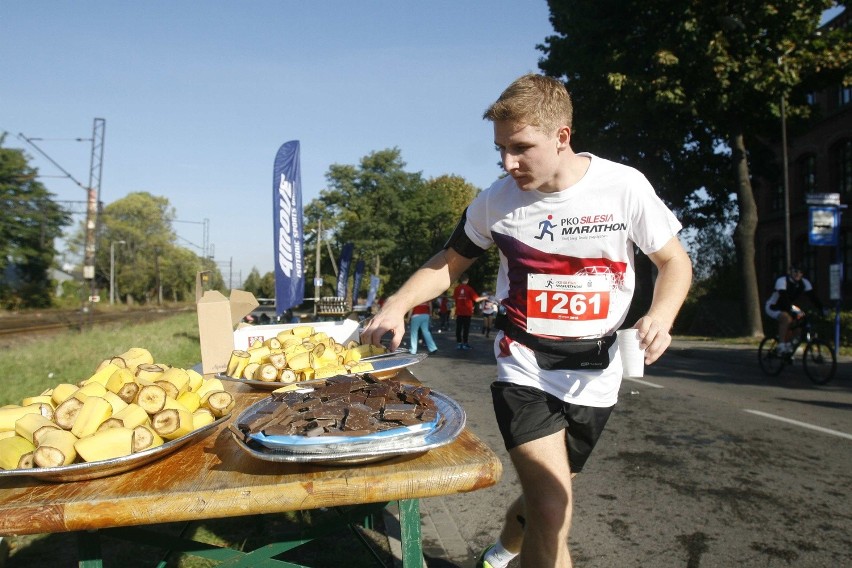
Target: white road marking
(646, 383)
(802, 424)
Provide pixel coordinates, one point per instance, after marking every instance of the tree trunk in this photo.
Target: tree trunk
(744, 236)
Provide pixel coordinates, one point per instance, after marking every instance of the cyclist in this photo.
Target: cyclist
(779, 306)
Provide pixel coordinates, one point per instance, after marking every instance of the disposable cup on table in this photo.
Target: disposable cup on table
(632, 356)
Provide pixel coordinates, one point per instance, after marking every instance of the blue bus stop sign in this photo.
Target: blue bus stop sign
(824, 226)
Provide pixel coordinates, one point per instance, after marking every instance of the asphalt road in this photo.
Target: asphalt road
(705, 463)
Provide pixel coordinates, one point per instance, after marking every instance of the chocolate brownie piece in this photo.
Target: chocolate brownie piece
(428, 415)
(279, 430)
(346, 406)
(398, 411)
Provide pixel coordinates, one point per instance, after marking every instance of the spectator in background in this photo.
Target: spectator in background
(489, 310)
(419, 318)
(443, 313)
(465, 297)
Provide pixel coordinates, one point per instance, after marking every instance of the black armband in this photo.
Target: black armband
(461, 243)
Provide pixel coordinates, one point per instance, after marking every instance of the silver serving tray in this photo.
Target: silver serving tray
(304, 444)
(105, 468)
(450, 424)
(381, 364)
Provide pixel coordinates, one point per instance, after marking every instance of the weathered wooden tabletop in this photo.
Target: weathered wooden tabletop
(213, 478)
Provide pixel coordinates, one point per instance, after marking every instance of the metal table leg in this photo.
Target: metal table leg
(409, 526)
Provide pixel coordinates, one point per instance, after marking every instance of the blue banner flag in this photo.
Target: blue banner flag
(288, 235)
(343, 272)
(356, 281)
(374, 289)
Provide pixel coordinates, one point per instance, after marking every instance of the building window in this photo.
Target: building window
(841, 168)
(777, 259)
(776, 198)
(808, 260)
(807, 174)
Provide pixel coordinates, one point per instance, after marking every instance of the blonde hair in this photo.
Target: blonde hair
(536, 100)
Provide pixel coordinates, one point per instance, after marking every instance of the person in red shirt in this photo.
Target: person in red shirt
(465, 297)
(419, 318)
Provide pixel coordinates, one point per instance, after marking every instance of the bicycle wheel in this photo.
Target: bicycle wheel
(819, 361)
(767, 355)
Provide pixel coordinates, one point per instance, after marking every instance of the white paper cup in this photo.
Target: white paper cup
(632, 357)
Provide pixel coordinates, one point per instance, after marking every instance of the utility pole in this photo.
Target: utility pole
(96, 166)
(93, 195)
(785, 162)
(317, 275)
(205, 246)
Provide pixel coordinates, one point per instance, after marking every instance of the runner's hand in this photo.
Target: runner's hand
(382, 323)
(654, 338)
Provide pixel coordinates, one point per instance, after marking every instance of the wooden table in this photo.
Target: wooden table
(214, 478)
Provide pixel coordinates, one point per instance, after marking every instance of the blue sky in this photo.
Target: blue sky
(198, 96)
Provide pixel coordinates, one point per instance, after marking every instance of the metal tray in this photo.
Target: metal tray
(295, 443)
(451, 422)
(105, 468)
(381, 364)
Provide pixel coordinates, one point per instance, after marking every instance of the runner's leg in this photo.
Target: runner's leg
(545, 477)
(415, 332)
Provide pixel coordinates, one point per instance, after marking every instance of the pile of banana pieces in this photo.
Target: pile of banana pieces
(128, 405)
(300, 353)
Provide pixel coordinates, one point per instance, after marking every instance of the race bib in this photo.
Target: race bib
(567, 306)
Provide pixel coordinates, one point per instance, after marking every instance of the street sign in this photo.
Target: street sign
(835, 275)
(823, 199)
(824, 225)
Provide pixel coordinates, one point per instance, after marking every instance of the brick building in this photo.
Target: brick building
(819, 161)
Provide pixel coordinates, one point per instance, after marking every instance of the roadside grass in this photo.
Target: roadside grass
(30, 366)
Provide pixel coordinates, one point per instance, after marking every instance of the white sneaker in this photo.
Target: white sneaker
(783, 348)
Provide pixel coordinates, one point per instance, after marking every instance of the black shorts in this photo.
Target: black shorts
(525, 414)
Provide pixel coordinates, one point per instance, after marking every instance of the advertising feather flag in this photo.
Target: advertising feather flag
(374, 289)
(356, 280)
(343, 272)
(288, 234)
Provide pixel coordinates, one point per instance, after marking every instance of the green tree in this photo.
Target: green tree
(363, 205)
(260, 286)
(149, 266)
(688, 91)
(395, 218)
(30, 221)
(252, 283)
(454, 194)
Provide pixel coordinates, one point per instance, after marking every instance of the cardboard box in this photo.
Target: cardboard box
(341, 331)
(217, 318)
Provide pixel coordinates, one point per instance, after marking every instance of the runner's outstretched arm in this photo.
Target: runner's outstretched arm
(434, 277)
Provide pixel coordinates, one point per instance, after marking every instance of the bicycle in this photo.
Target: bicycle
(819, 359)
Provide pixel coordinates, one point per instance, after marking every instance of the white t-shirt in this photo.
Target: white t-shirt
(781, 284)
(489, 306)
(567, 266)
